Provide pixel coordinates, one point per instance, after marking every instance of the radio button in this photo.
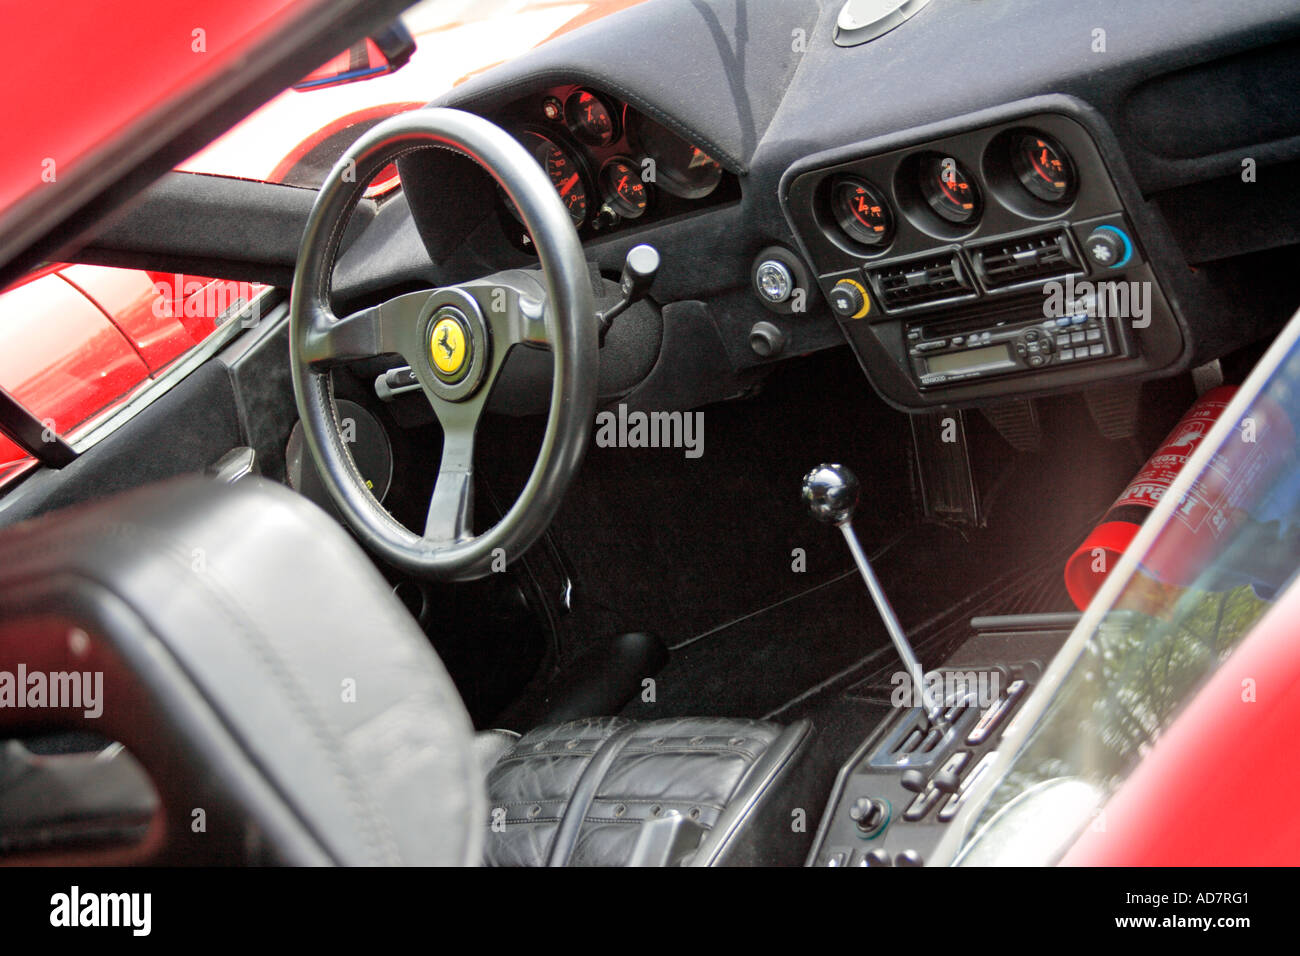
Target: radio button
(1067, 354)
(1097, 350)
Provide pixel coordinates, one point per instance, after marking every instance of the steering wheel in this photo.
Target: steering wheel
(455, 340)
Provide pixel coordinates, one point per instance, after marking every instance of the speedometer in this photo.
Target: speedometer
(565, 172)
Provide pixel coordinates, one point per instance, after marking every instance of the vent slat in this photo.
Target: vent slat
(1028, 259)
(921, 282)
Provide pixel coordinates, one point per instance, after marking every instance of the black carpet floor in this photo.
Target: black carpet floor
(705, 552)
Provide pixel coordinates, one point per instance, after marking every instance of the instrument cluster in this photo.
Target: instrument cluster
(612, 166)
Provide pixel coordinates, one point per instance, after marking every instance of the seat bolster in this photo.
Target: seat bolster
(758, 815)
(258, 666)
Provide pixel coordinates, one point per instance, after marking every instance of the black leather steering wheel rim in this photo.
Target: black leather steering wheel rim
(558, 301)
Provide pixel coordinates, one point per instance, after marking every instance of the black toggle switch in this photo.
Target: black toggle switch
(946, 781)
(913, 780)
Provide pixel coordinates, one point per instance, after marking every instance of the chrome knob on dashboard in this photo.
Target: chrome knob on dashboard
(775, 283)
(831, 493)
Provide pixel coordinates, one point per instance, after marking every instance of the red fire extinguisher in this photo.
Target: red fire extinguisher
(1205, 514)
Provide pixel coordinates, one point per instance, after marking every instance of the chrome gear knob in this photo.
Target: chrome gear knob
(831, 493)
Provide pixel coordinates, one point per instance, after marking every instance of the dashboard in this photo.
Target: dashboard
(919, 196)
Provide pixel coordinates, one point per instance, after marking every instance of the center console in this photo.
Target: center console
(912, 777)
(984, 259)
(903, 787)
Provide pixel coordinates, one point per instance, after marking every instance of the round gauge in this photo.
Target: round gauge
(590, 118)
(680, 168)
(861, 212)
(949, 189)
(1043, 167)
(623, 188)
(565, 174)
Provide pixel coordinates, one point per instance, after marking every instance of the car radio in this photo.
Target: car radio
(959, 350)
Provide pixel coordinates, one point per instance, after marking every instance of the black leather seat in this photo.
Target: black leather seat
(582, 793)
(260, 669)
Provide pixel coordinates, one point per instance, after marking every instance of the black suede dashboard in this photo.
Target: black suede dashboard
(760, 85)
(1178, 97)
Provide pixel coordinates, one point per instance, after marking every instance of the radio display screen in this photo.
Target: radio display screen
(969, 359)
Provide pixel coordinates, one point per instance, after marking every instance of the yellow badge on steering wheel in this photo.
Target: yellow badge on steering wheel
(448, 347)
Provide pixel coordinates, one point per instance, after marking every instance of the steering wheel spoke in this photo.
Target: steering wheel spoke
(388, 328)
(451, 508)
(514, 304)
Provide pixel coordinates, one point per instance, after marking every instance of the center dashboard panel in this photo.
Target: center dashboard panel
(991, 262)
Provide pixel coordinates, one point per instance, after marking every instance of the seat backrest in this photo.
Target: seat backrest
(258, 666)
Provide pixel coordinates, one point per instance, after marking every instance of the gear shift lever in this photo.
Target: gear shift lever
(831, 494)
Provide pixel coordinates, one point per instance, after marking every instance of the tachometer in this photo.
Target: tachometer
(679, 167)
(623, 188)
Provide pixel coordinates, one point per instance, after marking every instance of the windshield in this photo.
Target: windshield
(1228, 546)
(297, 137)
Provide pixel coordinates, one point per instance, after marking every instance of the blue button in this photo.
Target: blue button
(1063, 321)
(1079, 319)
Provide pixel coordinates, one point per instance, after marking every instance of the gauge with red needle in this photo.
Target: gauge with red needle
(591, 118)
(1043, 167)
(623, 188)
(565, 172)
(861, 211)
(949, 189)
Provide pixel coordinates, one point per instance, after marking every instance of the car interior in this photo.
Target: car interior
(507, 523)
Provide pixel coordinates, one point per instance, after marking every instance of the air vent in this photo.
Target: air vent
(928, 281)
(1014, 262)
